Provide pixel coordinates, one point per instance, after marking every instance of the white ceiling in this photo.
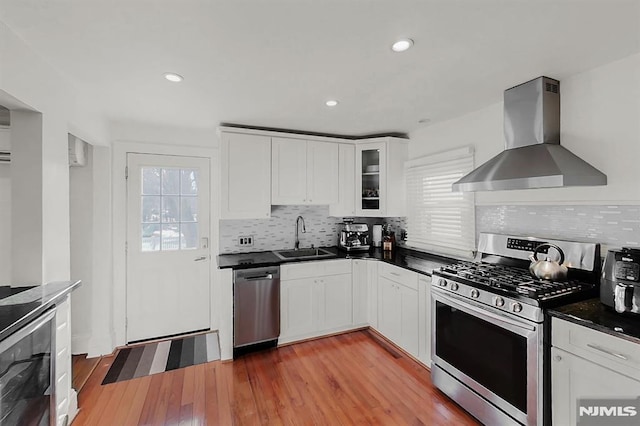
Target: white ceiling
(273, 63)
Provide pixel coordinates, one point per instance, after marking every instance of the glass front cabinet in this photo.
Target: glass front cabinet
(380, 177)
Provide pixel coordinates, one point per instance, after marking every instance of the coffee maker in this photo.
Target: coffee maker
(354, 237)
(620, 284)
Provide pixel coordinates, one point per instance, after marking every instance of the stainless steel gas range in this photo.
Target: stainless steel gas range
(488, 326)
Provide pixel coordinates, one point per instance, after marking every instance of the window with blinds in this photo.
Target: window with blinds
(438, 219)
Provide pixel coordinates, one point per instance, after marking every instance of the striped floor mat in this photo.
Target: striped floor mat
(157, 357)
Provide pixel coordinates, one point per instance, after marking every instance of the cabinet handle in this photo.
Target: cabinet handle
(607, 351)
(395, 273)
(557, 358)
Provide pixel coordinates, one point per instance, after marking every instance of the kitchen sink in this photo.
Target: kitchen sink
(305, 253)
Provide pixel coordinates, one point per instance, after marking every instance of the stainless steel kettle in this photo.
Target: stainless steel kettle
(548, 269)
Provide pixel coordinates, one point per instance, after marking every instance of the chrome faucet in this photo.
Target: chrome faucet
(304, 230)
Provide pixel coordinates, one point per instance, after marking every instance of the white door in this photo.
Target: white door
(168, 255)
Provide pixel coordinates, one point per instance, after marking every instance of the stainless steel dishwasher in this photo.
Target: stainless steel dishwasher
(256, 306)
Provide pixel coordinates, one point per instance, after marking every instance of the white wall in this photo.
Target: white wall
(599, 123)
(5, 211)
(82, 240)
(29, 83)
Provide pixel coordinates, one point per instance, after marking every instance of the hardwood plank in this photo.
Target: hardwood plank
(138, 401)
(354, 378)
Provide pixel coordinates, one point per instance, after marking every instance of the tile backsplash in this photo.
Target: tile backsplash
(611, 226)
(277, 233)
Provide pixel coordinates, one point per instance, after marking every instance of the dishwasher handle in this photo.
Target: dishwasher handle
(258, 277)
(257, 274)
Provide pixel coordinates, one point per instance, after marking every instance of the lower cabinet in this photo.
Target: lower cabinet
(588, 364)
(65, 396)
(398, 307)
(316, 299)
(424, 319)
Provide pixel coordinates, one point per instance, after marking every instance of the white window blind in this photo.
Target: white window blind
(438, 219)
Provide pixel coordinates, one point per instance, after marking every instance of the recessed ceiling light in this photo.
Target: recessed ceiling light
(331, 103)
(402, 45)
(173, 77)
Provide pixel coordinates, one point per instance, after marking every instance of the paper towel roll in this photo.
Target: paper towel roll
(377, 235)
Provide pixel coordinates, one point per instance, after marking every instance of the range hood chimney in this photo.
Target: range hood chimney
(533, 157)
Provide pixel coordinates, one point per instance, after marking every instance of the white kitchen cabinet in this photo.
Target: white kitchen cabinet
(316, 299)
(424, 319)
(398, 307)
(298, 306)
(586, 363)
(360, 292)
(65, 397)
(380, 189)
(336, 301)
(346, 205)
(245, 176)
(304, 172)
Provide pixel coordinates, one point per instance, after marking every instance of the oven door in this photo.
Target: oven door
(495, 355)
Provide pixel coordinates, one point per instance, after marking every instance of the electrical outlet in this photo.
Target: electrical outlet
(245, 240)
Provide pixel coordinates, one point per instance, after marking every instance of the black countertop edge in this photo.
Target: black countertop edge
(20, 309)
(593, 314)
(413, 260)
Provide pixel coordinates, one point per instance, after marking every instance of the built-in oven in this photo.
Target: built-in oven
(26, 374)
(487, 360)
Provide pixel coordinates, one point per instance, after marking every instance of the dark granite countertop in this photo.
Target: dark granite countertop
(593, 314)
(20, 307)
(417, 261)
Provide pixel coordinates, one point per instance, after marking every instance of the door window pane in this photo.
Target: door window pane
(170, 181)
(189, 182)
(150, 237)
(189, 210)
(151, 180)
(189, 237)
(150, 209)
(169, 209)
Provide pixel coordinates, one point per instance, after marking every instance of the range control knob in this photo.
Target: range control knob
(442, 282)
(454, 286)
(475, 293)
(498, 301)
(516, 307)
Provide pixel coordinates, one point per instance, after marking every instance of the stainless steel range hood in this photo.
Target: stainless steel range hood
(533, 157)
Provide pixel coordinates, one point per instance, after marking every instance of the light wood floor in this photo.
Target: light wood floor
(354, 378)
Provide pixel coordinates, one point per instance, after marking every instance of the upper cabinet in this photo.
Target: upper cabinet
(304, 172)
(346, 205)
(245, 176)
(379, 170)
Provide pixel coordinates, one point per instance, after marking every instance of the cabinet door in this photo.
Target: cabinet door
(372, 293)
(424, 319)
(245, 176)
(573, 378)
(346, 205)
(389, 310)
(370, 179)
(288, 171)
(410, 325)
(360, 292)
(298, 309)
(322, 173)
(336, 301)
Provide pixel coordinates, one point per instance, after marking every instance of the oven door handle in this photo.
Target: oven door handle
(483, 312)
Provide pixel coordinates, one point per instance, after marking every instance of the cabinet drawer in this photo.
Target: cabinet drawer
(607, 350)
(315, 269)
(398, 275)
